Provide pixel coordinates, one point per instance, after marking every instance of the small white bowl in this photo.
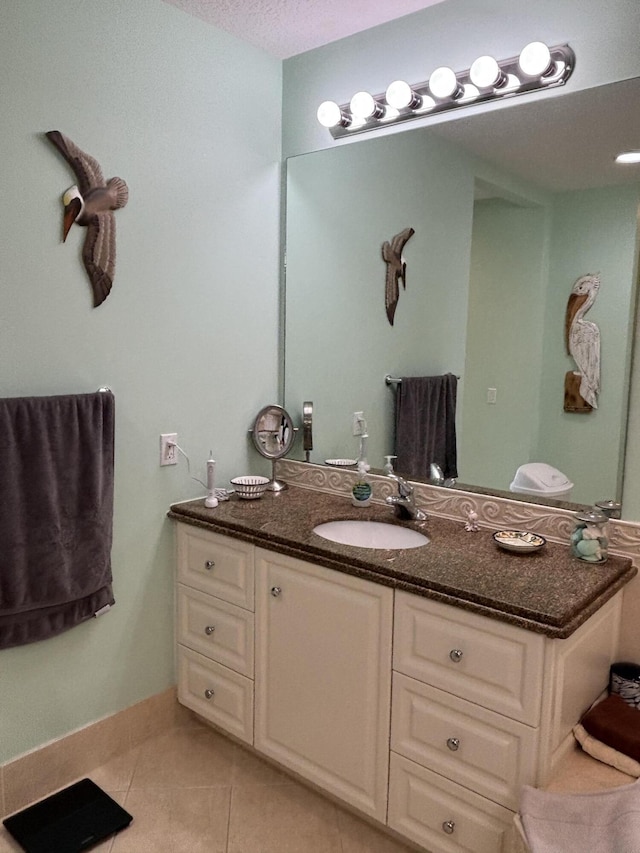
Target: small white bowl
(250, 487)
(341, 463)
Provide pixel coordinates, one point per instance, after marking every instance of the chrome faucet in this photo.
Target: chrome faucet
(404, 503)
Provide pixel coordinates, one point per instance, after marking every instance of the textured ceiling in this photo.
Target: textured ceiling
(285, 28)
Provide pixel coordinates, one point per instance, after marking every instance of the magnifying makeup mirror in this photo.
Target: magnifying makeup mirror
(273, 434)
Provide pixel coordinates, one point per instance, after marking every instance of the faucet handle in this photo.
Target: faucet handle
(404, 487)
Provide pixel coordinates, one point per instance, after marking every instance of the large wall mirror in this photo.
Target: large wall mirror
(509, 208)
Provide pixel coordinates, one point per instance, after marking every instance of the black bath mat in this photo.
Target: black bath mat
(70, 821)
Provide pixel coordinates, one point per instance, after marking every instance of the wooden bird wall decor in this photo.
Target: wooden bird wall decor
(582, 339)
(91, 203)
(396, 270)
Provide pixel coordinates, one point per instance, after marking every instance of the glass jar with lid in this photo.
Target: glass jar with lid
(590, 538)
(612, 509)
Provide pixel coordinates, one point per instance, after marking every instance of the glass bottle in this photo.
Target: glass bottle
(590, 539)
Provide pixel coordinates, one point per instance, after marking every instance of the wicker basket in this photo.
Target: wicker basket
(250, 487)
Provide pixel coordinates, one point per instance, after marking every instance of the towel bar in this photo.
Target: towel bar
(394, 380)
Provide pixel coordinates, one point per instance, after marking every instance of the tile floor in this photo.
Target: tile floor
(191, 790)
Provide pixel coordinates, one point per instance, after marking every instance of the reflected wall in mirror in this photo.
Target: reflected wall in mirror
(505, 221)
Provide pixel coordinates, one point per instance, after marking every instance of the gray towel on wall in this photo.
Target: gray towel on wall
(426, 425)
(56, 494)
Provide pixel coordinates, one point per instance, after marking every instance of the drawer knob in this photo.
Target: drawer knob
(453, 743)
(448, 826)
(275, 591)
(209, 630)
(208, 694)
(456, 655)
(209, 564)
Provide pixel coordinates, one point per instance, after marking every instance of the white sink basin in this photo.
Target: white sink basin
(371, 534)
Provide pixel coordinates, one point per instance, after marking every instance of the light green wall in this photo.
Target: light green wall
(504, 344)
(593, 231)
(340, 210)
(187, 339)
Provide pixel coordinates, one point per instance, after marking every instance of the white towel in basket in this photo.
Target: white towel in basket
(595, 822)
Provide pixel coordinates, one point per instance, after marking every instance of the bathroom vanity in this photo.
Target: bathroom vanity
(422, 687)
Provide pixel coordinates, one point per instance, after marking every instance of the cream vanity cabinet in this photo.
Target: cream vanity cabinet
(472, 708)
(323, 677)
(480, 708)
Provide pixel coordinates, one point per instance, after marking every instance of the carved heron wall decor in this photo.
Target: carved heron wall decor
(582, 339)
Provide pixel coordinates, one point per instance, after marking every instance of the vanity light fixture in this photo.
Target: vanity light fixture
(364, 106)
(485, 73)
(330, 115)
(400, 96)
(443, 84)
(535, 60)
(628, 157)
(536, 68)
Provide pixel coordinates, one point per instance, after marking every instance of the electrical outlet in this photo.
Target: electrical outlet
(358, 423)
(168, 451)
(492, 395)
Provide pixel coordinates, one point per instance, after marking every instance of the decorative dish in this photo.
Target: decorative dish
(519, 540)
(341, 463)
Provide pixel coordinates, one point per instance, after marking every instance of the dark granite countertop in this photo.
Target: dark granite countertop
(547, 591)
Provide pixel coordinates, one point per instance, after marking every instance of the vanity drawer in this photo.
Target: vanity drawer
(216, 693)
(216, 629)
(216, 564)
(485, 661)
(484, 751)
(444, 817)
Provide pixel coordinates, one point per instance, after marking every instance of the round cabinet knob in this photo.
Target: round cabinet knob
(453, 743)
(275, 591)
(209, 564)
(208, 694)
(456, 655)
(448, 827)
(209, 630)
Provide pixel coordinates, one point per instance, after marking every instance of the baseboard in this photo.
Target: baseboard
(54, 765)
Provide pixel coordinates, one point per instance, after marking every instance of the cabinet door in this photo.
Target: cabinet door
(323, 672)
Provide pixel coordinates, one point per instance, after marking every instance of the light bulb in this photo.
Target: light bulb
(363, 106)
(400, 95)
(330, 115)
(443, 83)
(535, 60)
(628, 157)
(485, 73)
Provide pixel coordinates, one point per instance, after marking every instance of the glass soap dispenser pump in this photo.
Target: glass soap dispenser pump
(590, 538)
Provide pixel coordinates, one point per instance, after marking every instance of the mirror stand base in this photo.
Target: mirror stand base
(275, 485)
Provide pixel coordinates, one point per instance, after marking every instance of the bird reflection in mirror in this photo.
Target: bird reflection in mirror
(582, 339)
(91, 203)
(396, 269)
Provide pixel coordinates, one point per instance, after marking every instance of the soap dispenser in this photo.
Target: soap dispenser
(388, 465)
(362, 456)
(361, 491)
